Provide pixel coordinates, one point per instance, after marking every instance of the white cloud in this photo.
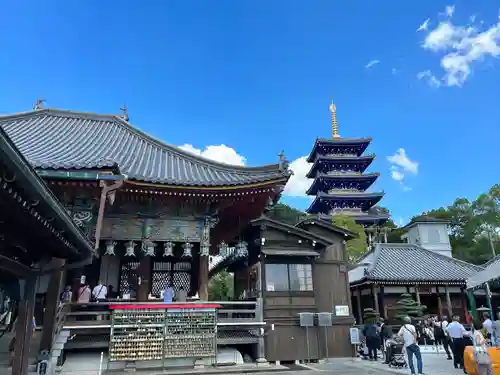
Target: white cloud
(397, 175)
(429, 78)
(460, 46)
(401, 160)
(298, 184)
(424, 26)
(220, 153)
(401, 166)
(371, 64)
(449, 10)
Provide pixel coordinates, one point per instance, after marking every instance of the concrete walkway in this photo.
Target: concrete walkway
(434, 364)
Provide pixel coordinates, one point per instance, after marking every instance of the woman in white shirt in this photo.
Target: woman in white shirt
(481, 351)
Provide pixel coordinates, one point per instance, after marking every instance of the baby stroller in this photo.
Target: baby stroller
(396, 355)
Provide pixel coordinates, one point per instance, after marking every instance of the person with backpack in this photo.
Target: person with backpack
(409, 333)
(441, 334)
(370, 331)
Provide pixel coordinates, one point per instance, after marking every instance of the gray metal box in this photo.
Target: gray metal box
(325, 319)
(306, 319)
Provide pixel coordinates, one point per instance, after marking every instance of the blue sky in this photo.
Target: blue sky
(258, 76)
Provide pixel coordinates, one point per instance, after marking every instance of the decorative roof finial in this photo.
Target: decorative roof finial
(39, 104)
(125, 112)
(335, 126)
(283, 164)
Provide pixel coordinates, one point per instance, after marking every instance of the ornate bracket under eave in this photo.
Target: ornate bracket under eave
(108, 191)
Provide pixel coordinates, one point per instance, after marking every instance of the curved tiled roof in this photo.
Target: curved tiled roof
(397, 262)
(56, 139)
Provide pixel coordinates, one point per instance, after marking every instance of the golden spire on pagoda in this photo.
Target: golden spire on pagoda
(335, 125)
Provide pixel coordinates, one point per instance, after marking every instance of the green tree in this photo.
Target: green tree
(474, 226)
(357, 246)
(220, 287)
(394, 232)
(407, 306)
(286, 214)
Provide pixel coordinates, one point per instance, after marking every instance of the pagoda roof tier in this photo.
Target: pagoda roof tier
(324, 203)
(342, 180)
(325, 146)
(325, 164)
(67, 140)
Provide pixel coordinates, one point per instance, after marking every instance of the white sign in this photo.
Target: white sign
(354, 336)
(342, 310)
(270, 287)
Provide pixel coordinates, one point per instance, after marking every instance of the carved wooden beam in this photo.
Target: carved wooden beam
(14, 267)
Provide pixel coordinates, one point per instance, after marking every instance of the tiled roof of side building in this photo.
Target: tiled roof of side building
(404, 262)
(489, 274)
(56, 139)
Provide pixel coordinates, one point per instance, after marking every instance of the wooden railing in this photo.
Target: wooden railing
(231, 313)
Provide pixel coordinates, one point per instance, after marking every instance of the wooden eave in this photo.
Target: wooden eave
(264, 220)
(48, 210)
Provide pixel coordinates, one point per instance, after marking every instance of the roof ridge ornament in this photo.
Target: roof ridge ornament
(283, 163)
(335, 126)
(38, 104)
(124, 110)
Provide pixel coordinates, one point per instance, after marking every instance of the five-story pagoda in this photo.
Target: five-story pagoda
(340, 184)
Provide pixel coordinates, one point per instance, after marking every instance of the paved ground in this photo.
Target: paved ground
(433, 365)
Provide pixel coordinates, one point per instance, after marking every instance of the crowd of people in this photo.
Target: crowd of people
(452, 336)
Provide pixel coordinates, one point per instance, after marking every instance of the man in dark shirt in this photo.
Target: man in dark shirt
(370, 331)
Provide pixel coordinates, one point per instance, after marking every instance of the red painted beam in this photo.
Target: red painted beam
(165, 306)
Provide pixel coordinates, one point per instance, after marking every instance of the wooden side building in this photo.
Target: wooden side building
(37, 237)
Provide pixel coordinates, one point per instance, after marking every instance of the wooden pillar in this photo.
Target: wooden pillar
(464, 303)
(54, 290)
(440, 302)
(203, 279)
(417, 294)
(448, 301)
(375, 297)
(144, 277)
(24, 328)
(382, 302)
(360, 309)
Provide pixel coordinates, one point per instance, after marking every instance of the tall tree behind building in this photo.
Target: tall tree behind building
(286, 214)
(221, 287)
(357, 246)
(474, 226)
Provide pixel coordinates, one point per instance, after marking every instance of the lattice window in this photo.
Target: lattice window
(176, 274)
(128, 276)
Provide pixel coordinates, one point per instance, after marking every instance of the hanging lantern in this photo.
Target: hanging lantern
(242, 249)
(148, 247)
(187, 250)
(110, 247)
(168, 249)
(223, 249)
(205, 250)
(130, 249)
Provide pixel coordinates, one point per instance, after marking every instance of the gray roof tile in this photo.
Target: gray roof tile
(396, 262)
(55, 139)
